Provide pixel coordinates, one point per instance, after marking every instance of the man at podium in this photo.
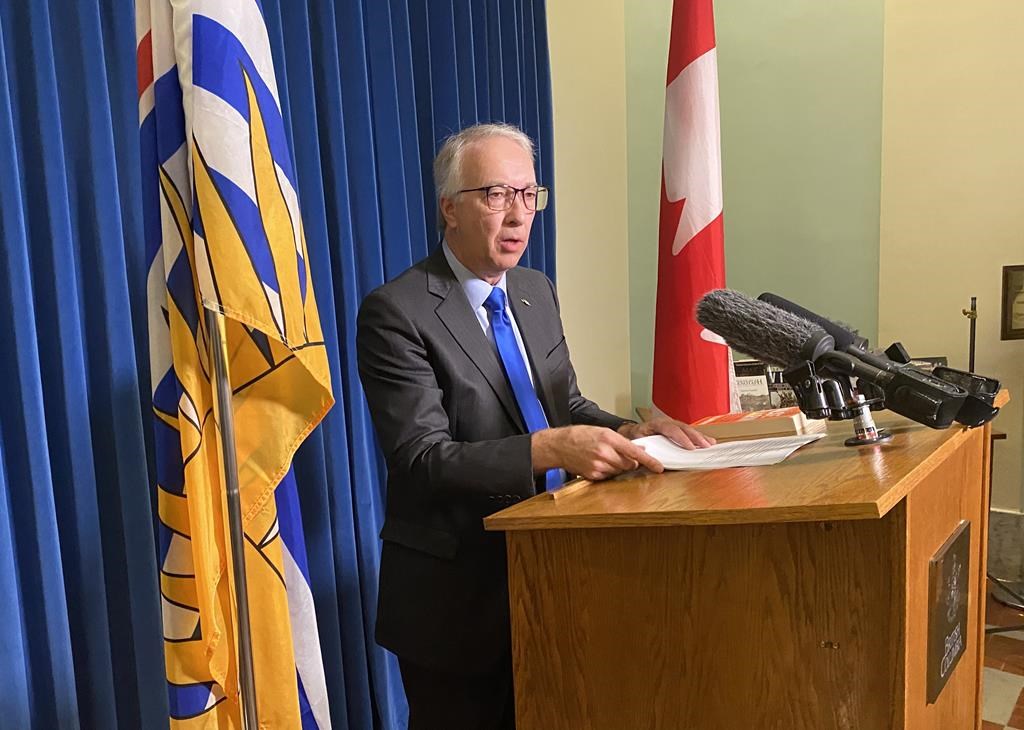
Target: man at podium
(475, 404)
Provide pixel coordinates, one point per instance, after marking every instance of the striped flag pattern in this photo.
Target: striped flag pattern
(691, 365)
(223, 231)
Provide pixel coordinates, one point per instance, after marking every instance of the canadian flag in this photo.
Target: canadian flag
(691, 365)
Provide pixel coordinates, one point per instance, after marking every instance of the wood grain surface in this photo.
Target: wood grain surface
(951, 493)
(824, 480)
(736, 607)
(707, 628)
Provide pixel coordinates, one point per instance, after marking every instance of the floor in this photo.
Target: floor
(1004, 671)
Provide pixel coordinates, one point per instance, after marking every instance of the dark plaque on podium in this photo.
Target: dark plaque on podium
(948, 575)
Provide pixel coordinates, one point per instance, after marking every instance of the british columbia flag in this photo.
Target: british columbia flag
(223, 232)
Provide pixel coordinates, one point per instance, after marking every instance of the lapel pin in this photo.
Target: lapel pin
(526, 302)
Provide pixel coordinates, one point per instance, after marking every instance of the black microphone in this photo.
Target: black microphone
(782, 338)
(847, 340)
(844, 336)
(761, 330)
(774, 335)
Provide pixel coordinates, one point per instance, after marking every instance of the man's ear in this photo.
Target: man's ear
(447, 207)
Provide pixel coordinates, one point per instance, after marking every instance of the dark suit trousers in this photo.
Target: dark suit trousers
(441, 701)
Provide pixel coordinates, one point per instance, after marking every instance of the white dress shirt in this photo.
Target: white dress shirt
(477, 290)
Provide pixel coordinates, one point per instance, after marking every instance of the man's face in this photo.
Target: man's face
(490, 242)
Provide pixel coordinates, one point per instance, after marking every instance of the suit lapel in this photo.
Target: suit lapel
(535, 325)
(460, 320)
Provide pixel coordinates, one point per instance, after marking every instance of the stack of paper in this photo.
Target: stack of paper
(756, 452)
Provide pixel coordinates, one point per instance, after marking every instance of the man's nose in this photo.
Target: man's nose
(518, 211)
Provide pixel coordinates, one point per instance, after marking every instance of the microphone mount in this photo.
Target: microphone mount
(848, 385)
(825, 394)
(833, 373)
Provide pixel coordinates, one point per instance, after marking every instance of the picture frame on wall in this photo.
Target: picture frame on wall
(1012, 321)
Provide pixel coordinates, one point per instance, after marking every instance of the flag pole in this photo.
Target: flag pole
(225, 422)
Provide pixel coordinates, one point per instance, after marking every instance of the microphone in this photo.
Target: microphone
(775, 336)
(846, 340)
(804, 348)
(844, 336)
(760, 329)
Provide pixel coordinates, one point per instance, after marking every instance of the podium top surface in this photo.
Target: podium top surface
(824, 481)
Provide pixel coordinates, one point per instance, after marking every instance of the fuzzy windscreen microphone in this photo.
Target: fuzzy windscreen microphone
(758, 329)
(842, 333)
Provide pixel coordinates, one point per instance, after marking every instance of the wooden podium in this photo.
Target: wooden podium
(794, 596)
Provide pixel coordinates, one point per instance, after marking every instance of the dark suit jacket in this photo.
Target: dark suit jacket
(457, 450)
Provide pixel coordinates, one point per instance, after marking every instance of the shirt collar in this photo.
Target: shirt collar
(477, 290)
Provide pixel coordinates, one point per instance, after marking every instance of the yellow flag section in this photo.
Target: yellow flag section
(281, 390)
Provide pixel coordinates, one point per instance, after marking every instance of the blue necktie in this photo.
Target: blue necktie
(515, 371)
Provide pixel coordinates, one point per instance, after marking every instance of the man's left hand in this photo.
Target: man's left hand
(681, 433)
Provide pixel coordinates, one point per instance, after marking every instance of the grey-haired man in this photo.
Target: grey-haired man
(475, 403)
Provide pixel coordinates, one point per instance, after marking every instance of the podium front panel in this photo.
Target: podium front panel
(790, 625)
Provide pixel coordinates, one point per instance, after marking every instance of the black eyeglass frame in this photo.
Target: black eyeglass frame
(543, 192)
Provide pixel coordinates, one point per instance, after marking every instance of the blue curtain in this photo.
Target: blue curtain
(369, 89)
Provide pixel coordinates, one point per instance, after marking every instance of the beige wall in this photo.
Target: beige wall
(647, 32)
(587, 47)
(953, 191)
(951, 170)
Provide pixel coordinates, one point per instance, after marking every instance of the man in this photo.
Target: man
(474, 399)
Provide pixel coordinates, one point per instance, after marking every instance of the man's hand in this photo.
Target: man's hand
(588, 451)
(683, 434)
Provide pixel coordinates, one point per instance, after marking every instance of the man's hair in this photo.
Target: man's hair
(448, 163)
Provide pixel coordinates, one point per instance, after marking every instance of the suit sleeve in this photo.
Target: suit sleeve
(412, 425)
(583, 411)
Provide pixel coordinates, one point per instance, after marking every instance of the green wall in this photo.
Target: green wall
(801, 104)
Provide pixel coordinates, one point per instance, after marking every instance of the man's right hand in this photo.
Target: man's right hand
(592, 452)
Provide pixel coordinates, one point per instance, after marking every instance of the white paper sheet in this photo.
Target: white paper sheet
(755, 452)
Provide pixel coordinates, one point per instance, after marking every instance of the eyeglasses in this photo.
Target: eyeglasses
(503, 197)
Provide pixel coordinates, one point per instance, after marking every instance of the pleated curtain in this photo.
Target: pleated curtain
(369, 90)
